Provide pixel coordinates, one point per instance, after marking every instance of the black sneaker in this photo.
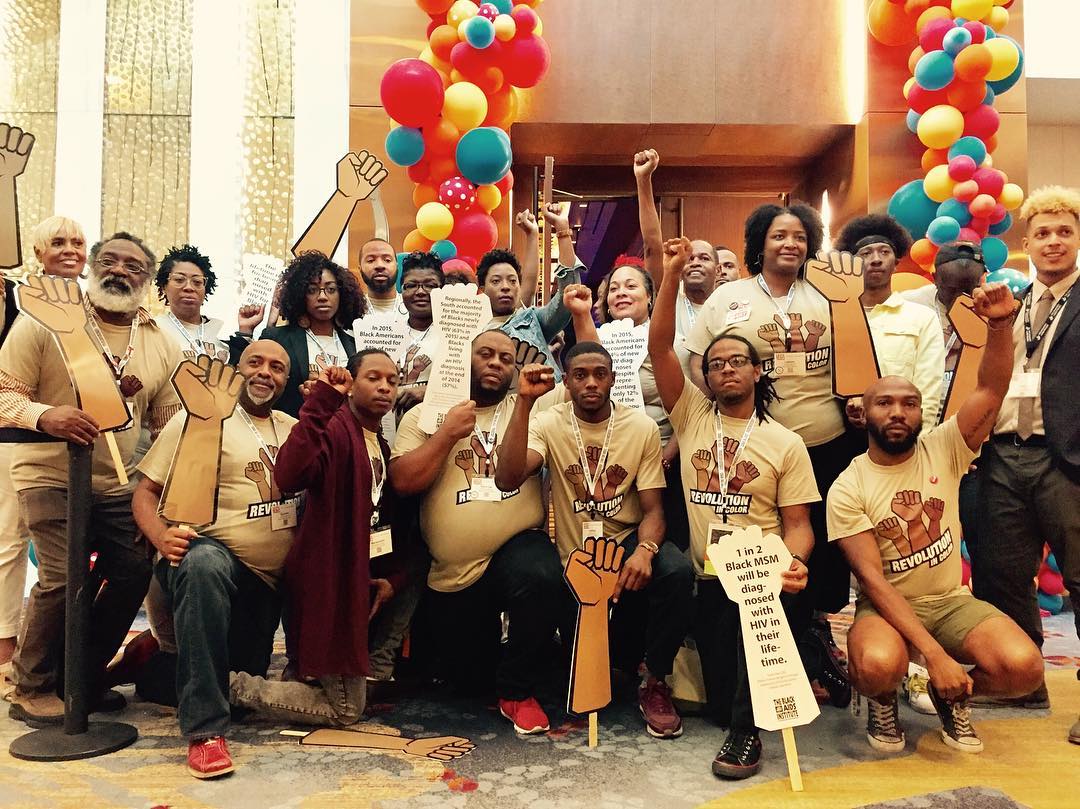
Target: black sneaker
(740, 756)
(883, 729)
(956, 729)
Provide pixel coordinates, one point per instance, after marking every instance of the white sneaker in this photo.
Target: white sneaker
(915, 685)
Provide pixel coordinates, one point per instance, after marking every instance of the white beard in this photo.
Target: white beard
(111, 299)
(255, 399)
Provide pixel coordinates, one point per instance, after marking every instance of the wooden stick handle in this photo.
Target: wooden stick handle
(794, 773)
(114, 451)
(594, 730)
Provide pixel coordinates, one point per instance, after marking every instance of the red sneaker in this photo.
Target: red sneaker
(209, 758)
(662, 721)
(527, 715)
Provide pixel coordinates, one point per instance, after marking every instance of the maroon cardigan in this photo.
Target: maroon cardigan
(327, 571)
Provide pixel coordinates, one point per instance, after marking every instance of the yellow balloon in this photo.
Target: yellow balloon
(505, 27)
(971, 9)
(456, 76)
(539, 28)
(1005, 58)
(427, 56)
(488, 197)
(465, 106)
(998, 18)
(434, 221)
(1012, 196)
(908, 85)
(940, 127)
(938, 185)
(459, 12)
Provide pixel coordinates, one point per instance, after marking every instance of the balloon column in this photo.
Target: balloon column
(961, 63)
(455, 105)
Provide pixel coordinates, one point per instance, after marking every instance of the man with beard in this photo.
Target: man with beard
(36, 393)
(221, 581)
(489, 551)
(727, 265)
(895, 514)
(378, 268)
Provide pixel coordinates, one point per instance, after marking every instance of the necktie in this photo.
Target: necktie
(1025, 421)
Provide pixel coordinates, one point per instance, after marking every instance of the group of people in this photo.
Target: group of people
(339, 516)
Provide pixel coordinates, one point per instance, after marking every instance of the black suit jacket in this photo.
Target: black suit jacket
(1061, 386)
(295, 342)
(11, 310)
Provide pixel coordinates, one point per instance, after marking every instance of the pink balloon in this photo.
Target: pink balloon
(411, 92)
(966, 191)
(980, 224)
(458, 265)
(982, 205)
(457, 194)
(488, 12)
(990, 181)
(526, 60)
(982, 122)
(933, 33)
(998, 214)
(969, 235)
(978, 31)
(962, 167)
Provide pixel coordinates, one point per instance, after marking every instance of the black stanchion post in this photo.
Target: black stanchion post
(78, 738)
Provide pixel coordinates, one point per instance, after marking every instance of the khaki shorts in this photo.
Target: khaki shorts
(948, 619)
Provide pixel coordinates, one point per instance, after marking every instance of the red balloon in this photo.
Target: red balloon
(506, 183)
(933, 33)
(990, 182)
(474, 233)
(961, 168)
(921, 100)
(418, 172)
(474, 64)
(969, 235)
(980, 224)
(457, 194)
(411, 92)
(982, 122)
(526, 60)
(488, 11)
(978, 31)
(459, 265)
(998, 214)
(525, 18)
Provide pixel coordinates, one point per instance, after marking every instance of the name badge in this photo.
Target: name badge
(1024, 385)
(484, 489)
(592, 529)
(789, 363)
(381, 543)
(738, 312)
(717, 532)
(283, 515)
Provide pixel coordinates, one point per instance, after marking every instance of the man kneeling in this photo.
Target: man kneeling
(894, 511)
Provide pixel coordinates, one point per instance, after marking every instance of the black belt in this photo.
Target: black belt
(1017, 441)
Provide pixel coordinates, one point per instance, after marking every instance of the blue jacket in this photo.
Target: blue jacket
(534, 327)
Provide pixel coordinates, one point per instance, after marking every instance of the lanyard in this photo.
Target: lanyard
(376, 488)
(488, 439)
(258, 436)
(601, 463)
(332, 359)
(939, 309)
(1033, 343)
(117, 365)
(197, 343)
(787, 306)
(691, 315)
(725, 475)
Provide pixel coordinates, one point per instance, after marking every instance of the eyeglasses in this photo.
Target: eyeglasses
(196, 281)
(313, 290)
(738, 361)
(427, 286)
(130, 266)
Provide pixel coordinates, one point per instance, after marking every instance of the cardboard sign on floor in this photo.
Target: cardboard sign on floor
(438, 748)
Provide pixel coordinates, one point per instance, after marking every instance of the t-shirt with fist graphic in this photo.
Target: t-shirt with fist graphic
(773, 470)
(246, 489)
(912, 510)
(632, 465)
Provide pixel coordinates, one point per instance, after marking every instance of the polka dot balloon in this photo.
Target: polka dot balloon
(457, 194)
(1015, 280)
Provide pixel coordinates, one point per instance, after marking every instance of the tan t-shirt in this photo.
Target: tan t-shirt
(374, 451)
(686, 314)
(387, 306)
(913, 511)
(742, 307)
(30, 354)
(246, 489)
(632, 465)
(772, 471)
(462, 534)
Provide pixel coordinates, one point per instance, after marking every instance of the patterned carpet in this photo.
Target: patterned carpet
(1027, 762)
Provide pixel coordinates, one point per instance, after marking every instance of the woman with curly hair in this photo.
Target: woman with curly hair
(319, 301)
(184, 281)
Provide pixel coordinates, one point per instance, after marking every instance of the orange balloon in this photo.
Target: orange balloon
(932, 13)
(502, 108)
(434, 6)
(442, 41)
(888, 23)
(966, 95)
(443, 168)
(917, 54)
(491, 80)
(934, 157)
(916, 7)
(991, 143)
(488, 197)
(415, 241)
(424, 193)
(441, 138)
(923, 252)
(973, 63)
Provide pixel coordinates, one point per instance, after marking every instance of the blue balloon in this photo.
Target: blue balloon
(504, 6)
(990, 33)
(1052, 604)
(1002, 85)
(405, 145)
(444, 249)
(483, 155)
(990, 96)
(912, 208)
(479, 32)
(971, 146)
(935, 70)
(943, 230)
(1002, 226)
(32, 553)
(995, 253)
(1015, 280)
(400, 258)
(913, 121)
(956, 40)
(955, 209)
(1052, 563)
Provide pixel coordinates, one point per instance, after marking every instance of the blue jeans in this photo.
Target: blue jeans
(225, 619)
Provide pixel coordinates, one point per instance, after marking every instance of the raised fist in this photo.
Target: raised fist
(934, 508)
(535, 380)
(593, 571)
(15, 146)
(527, 222)
(770, 333)
(575, 474)
(526, 354)
(745, 472)
(814, 328)
(837, 276)
(55, 303)
(907, 505)
(208, 388)
(577, 298)
(645, 163)
(701, 460)
(248, 317)
(337, 377)
(359, 174)
(615, 476)
(676, 254)
(464, 461)
(994, 302)
(459, 420)
(890, 530)
(557, 221)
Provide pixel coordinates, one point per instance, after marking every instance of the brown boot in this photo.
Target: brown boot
(36, 708)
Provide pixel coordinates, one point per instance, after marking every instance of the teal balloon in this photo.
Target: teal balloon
(1015, 280)
(955, 209)
(504, 6)
(484, 155)
(1002, 226)
(1052, 563)
(1052, 604)
(995, 253)
(444, 249)
(400, 258)
(913, 121)
(943, 230)
(913, 209)
(956, 40)
(990, 96)
(934, 70)
(970, 146)
(479, 32)
(405, 145)
(1002, 85)
(32, 553)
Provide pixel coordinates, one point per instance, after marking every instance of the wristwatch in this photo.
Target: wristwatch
(650, 546)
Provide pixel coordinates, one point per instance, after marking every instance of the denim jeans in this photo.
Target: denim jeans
(225, 618)
(336, 700)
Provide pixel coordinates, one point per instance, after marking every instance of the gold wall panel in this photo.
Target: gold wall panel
(29, 54)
